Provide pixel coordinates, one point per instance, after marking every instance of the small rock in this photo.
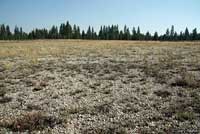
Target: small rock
(43, 84)
(2, 76)
(162, 93)
(5, 99)
(37, 88)
(2, 69)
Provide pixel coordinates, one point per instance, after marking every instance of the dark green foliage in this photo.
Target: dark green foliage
(172, 33)
(155, 37)
(76, 32)
(134, 34)
(187, 34)
(111, 32)
(194, 35)
(38, 34)
(53, 33)
(148, 36)
(127, 35)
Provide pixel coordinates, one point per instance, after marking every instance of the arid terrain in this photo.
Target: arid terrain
(99, 87)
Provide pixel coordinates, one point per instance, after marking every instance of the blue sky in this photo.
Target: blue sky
(152, 15)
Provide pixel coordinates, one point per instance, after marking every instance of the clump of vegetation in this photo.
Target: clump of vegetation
(39, 86)
(30, 121)
(76, 109)
(162, 93)
(186, 80)
(3, 98)
(106, 130)
(78, 91)
(195, 101)
(2, 92)
(182, 116)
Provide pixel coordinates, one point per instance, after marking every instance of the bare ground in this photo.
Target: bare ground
(101, 87)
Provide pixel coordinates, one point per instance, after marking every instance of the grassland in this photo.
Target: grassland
(99, 87)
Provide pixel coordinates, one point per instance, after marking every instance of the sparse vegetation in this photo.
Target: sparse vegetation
(186, 80)
(30, 121)
(183, 116)
(99, 86)
(162, 93)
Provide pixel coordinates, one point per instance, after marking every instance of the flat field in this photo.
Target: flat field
(99, 87)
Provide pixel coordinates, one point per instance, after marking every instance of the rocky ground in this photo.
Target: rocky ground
(99, 87)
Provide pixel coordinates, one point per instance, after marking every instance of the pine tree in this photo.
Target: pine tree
(155, 37)
(127, 35)
(68, 31)
(53, 33)
(8, 33)
(78, 33)
(148, 36)
(93, 34)
(21, 34)
(83, 35)
(172, 33)
(187, 34)
(62, 31)
(101, 33)
(16, 33)
(194, 34)
(138, 37)
(121, 35)
(134, 34)
(89, 33)
(74, 31)
(181, 36)
(175, 37)
(167, 35)
(3, 32)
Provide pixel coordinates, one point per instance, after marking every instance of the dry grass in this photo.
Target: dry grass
(39, 48)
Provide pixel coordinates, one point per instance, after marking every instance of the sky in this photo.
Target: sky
(150, 15)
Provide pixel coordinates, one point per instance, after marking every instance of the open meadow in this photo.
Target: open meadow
(99, 87)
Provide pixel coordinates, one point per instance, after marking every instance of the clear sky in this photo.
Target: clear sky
(152, 15)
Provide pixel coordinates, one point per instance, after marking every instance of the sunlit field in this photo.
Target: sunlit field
(99, 87)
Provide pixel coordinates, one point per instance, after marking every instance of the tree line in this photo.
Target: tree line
(68, 31)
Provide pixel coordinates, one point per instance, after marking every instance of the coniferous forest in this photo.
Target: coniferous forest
(68, 31)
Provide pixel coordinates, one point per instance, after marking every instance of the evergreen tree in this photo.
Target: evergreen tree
(8, 32)
(148, 36)
(175, 37)
(181, 36)
(3, 32)
(16, 33)
(68, 31)
(62, 31)
(93, 35)
(138, 37)
(121, 35)
(127, 35)
(155, 37)
(187, 34)
(134, 34)
(74, 33)
(83, 35)
(167, 35)
(101, 33)
(78, 33)
(53, 33)
(89, 33)
(172, 33)
(194, 34)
